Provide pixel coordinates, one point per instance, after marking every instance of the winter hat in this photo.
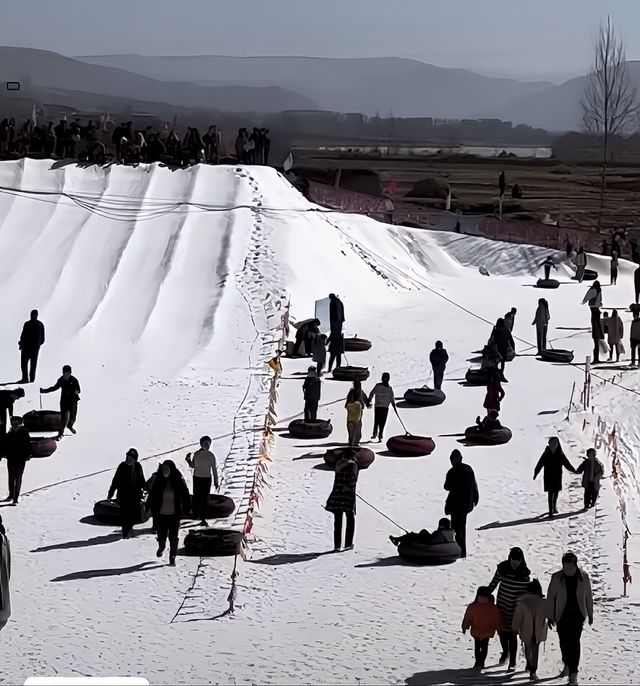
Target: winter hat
(516, 554)
(569, 558)
(455, 455)
(438, 344)
(133, 453)
(484, 592)
(534, 587)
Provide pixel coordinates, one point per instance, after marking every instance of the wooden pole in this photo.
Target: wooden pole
(573, 390)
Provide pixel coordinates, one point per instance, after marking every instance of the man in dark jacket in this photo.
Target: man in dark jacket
(311, 389)
(306, 333)
(129, 483)
(7, 398)
(17, 448)
(438, 358)
(510, 318)
(69, 388)
(336, 313)
(503, 341)
(463, 497)
(31, 339)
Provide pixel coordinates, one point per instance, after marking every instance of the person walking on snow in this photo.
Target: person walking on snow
(504, 342)
(530, 623)
(311, 390)
(205, 470)
(541, 322)
(355, 404)
(546, 265)
(17, 448)
(170, 502)
(634, 341)
(463, 496)
(31, 340)
(336, 314)
(384, 396)
(615, 332)
(614, 268)
(69, 388)
(510, 319)
(593, 298)
(342, 500)
(495, 393)
(128, 482)
(336, 349)
(319, 352)
(483, 619)
(5, 576)
(511, 579)
(570, 602)
(580, 261)
(438, 358)
(553, 461)
(592, 472)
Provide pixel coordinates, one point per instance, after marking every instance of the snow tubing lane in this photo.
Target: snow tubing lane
(364, 457)
(43, 447)
(496, 437)
(213, 542)
(351, 374)
(219, 506)
(477, 377)
(557, 355)
(108, 511)
(41, 420)
(548, 283)
(321, 428)
(410, 446)
(425, 397)
(439, 554)
(589, 275)
(356, 345)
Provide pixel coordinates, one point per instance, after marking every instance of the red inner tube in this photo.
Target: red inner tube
(411, 446)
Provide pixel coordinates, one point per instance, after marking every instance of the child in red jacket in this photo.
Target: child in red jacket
(484, 619)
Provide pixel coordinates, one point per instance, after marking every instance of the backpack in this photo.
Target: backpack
(354, 412)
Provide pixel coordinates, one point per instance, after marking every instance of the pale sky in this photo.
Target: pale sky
(521, 37)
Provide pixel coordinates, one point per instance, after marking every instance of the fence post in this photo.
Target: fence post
(587, 369)
(573, 390)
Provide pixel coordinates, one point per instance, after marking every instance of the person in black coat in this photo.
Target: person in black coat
(342, 500)
(463, 497)
(336, 349)
(129, 483)
(438, 358)
(311, 388)
(306, 333)
(336, 313)
(170, 502)
(7, 399)
(69, 388)
(17, 448)
(31, 340)
(503, 341)
(553, 460)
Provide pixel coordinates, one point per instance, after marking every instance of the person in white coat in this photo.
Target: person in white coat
(5, 576)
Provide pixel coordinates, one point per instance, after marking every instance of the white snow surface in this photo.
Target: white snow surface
(167, 313)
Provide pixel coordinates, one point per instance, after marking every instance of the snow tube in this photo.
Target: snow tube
(351, 374)
(356, 345)
(364, 457)
(43, 447)
(219, 506)
(41, 420)
(547, 283)
(557, 355)
(108, 511)
(589, 275)
(425, 397)
(438, 554)
(321, 428)
(473, 434)
(410, 446)
(477, 377)
(213, 542)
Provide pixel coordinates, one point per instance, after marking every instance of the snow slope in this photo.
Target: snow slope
(167, 303)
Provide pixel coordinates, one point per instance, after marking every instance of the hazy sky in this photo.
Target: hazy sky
(534, 37)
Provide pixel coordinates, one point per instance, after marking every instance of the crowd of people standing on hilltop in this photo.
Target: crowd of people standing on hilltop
(97, 143)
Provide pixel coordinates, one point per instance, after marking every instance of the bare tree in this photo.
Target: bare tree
(609, 103)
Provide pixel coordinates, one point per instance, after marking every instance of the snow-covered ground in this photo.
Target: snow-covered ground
(167, 303)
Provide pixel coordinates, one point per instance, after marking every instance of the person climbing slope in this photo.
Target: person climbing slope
(384, 396)
(69, 388)
(31, 340)
(438, 358)
(511, 579)
(530, 623)
(553, 461)
(592, 472)
(482, 619)
(541, 322)
(462, 497)
(342, 500)
(205, 471)
(355, 404)
(311, 390)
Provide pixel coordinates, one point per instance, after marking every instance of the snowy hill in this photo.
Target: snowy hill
(165, 290)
